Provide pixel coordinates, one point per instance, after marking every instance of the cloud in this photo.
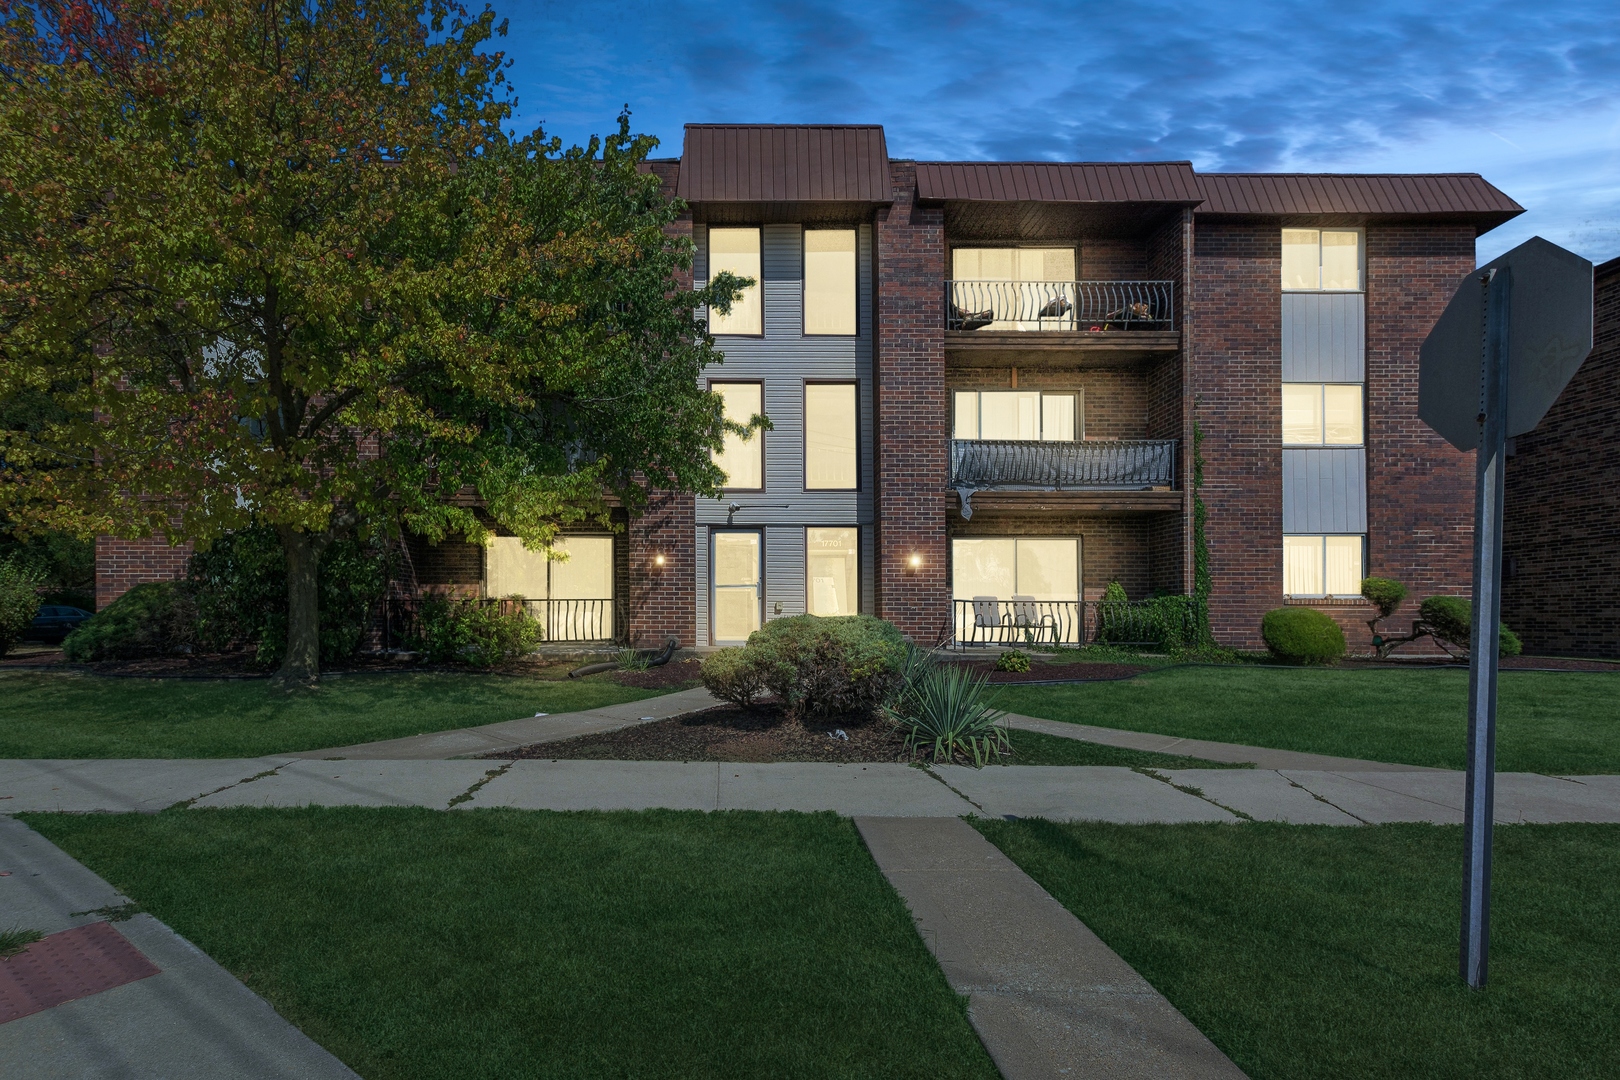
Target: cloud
(1228, 85)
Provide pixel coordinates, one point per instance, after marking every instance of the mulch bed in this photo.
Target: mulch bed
(670, 676)
(1040, 671)
(763, 733)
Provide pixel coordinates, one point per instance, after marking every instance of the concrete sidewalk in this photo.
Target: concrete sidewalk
(192, 1019)
(1062, 793)
(1046, 996)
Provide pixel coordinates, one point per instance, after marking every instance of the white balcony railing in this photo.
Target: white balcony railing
(995, 306)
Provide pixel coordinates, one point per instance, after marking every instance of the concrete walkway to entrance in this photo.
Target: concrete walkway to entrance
(1046, 996)
(177, 1016)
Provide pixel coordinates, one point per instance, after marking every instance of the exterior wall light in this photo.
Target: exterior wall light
(658, 560)
(915, 562)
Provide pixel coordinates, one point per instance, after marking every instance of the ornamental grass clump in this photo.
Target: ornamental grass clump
(1302, 635)
(947, 715)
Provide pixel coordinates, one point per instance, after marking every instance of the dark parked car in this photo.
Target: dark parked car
(55, 622)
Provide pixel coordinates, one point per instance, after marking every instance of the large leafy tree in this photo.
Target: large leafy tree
(276, 262)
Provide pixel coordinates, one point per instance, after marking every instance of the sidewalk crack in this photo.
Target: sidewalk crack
(1320, 799)
(1197, 793)
(186, 804)
(467, 796)
(953, 790)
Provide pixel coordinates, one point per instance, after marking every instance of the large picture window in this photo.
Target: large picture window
(1322, 566)
(1009, 586)
(1013, 288)
(830, 424)
(829, 281)
(1321, 259)
(1028, 415)
(1322, 414)
(572, 597)
(832, 571)
(738, 251)
(743, 458)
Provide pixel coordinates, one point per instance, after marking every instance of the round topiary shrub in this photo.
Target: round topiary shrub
(149, 620)
(1451, 619)
(1383, 593)
(734, 676)
(1302, 635)
(823, 666)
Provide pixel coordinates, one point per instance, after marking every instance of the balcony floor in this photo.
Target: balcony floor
(981, 348)
(990, 501)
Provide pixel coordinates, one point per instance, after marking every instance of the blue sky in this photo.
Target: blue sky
(1526, 93)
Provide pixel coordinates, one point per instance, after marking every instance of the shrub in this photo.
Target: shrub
(240, 585)
(149, 620)
(822, 666)
(472, 632)
(947, 714)
(733, 675)
(1012, 660)
(1113, 614)
(1384, 594)
(19, 601)
(1302, 635)
(1451, 619)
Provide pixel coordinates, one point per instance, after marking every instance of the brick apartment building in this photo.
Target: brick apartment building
(985, 380)
(1561, 533)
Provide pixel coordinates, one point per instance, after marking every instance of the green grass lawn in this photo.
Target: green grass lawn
(81, 716)
(1317, 952)
(498, 943)
(1567, 722)
(1039, 748)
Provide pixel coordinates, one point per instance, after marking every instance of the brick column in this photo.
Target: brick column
(912, 412)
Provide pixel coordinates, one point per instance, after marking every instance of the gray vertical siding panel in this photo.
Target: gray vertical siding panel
(1325, 490)
(784, 570)
(868, 570)
(1324, 337)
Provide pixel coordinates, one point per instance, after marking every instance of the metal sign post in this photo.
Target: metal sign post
(1535, 302)
(1480, 808)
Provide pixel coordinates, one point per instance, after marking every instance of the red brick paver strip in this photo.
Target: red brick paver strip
(67, 966)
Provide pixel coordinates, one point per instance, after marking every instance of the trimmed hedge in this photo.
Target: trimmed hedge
(733, 675)
(816, 666)
(152, 619)
(1451, 619)
(1385, 594)
(1302, 635)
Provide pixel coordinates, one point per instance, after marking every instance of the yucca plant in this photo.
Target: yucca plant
(948, 715)
(631, 659)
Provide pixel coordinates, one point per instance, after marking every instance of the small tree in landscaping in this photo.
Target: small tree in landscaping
(19, 601)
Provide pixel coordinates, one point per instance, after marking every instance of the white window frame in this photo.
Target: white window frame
(1361, 258)
(1077, 395)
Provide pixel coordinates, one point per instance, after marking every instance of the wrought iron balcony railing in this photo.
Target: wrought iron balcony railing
(995, 306)
(977, 464)
(1024, 620)
(559, 621)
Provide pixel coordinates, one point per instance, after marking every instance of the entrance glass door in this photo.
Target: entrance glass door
(736, 601)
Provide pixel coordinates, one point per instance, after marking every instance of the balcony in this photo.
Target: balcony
(1121, 317)
(1110, 468)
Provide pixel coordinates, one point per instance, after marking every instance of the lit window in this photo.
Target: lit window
(737, 250)
(743, 458)
(1322, 566)
(829, 436)
(832, 579)
(1013, 288)
(1024, 415)
(829, 281)
(1321, 259)
(1321, 414)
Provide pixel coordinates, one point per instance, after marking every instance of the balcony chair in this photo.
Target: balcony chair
(987, 614)
(970, 320)
(1027, 617)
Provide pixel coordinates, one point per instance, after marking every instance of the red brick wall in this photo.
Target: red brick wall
(1561, 535)
(1169, 405)
(123, 564)
(661, 601)
(1113, 260)
(1420, 491)
(912, 413)
(1236, 376)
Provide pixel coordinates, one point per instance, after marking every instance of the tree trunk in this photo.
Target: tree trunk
(301, 665)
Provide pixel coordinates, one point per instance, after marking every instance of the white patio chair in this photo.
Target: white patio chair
(987, 614)
(1027, 616)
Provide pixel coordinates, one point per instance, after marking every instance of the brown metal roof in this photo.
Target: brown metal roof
(1058, 181)
(764, 163)
(1387, 194)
